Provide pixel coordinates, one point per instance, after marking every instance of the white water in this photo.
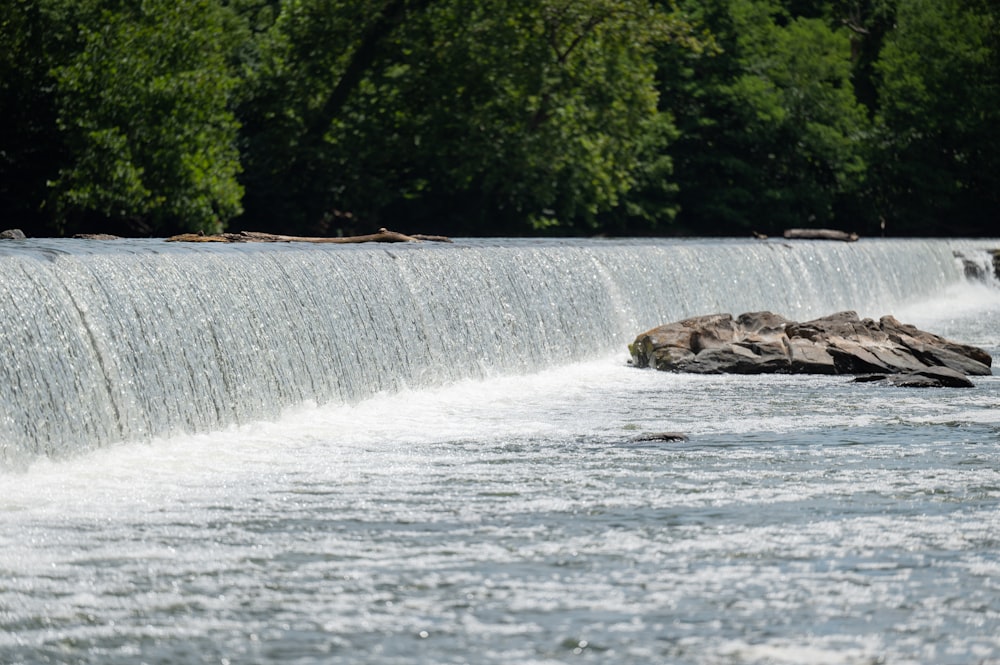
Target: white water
(122, 341)
(508, 517)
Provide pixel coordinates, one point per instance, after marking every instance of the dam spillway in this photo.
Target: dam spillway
(115, 341)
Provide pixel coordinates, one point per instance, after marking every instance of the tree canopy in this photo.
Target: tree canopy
(495, 117)
(939, 116)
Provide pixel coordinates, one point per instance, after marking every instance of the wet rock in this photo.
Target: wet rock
(766, 343)
(978, 270)
(932, 377)
(974, 271)
(660, 436)
(12, 234)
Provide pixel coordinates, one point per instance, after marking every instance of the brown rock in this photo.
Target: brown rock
(842, 343)
(931, 377)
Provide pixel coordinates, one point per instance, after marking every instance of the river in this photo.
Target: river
(511, 517)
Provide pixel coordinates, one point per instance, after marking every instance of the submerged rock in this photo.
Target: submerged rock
(651, 437)
(766, 343)
(932, 377)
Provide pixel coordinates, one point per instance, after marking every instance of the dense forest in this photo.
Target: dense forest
(500, 117)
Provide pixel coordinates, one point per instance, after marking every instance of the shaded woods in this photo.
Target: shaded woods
(495, 117)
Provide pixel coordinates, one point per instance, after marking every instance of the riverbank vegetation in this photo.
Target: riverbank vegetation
(497, 117)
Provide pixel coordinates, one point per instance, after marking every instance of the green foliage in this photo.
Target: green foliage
(493, 116)
(143, 106)
(772, 134)
(939, 117)
(28, 147)
(500, 117)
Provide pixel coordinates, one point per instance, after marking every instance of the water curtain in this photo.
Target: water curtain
(120, 341)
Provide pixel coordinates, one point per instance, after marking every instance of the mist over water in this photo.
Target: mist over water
(500, 512)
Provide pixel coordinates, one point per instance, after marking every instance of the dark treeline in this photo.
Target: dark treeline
(500, 117)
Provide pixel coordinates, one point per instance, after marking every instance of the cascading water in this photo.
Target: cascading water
(438, 454)
(125, 340)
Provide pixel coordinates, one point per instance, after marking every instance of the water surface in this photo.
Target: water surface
(514, 520)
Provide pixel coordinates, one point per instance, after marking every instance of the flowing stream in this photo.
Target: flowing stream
(426, 454)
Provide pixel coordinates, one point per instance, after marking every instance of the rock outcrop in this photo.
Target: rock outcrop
(843, 343)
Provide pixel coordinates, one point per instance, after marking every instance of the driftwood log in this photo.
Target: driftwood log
(383, 235)
(820, 234)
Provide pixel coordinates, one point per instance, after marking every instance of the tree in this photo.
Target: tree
(939, 118)
(117, 115)
(771, 133)
(479, 117)
(29, 145)
(867, 23)
(143, 109)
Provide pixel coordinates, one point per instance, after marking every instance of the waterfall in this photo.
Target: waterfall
(124, 340)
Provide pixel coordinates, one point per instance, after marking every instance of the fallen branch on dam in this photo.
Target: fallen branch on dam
(383, 235)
